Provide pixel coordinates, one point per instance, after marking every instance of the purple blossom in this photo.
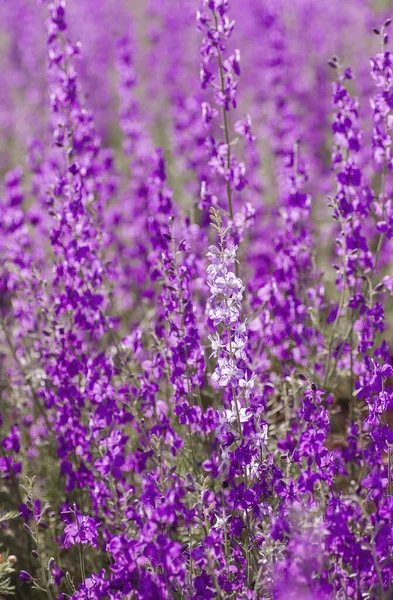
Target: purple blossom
(196, 380)
(82, 530)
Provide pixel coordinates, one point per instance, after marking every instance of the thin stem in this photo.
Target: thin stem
(43, 574)
(226, 134)
(81, 564)
(382, 192)
(80, 553)
(225, 120)
(341, 305)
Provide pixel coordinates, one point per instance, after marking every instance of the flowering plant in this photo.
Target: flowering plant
(196, 365)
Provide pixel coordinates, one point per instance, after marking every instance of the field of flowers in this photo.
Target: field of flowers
(196, 281)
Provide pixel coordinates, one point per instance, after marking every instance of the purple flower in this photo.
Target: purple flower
(83, 530)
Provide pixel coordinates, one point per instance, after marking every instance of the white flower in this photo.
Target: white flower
(238, 344)
(261, 437)
(216, 344)
(226, 372)
(229, 255)
(231, 414)
(220, 522)
(248, 384)
(214, 255)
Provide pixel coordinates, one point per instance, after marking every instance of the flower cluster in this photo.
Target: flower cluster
(219, 72)
(225, 307)
(196, 365)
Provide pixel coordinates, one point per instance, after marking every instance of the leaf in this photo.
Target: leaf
(9, 515)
